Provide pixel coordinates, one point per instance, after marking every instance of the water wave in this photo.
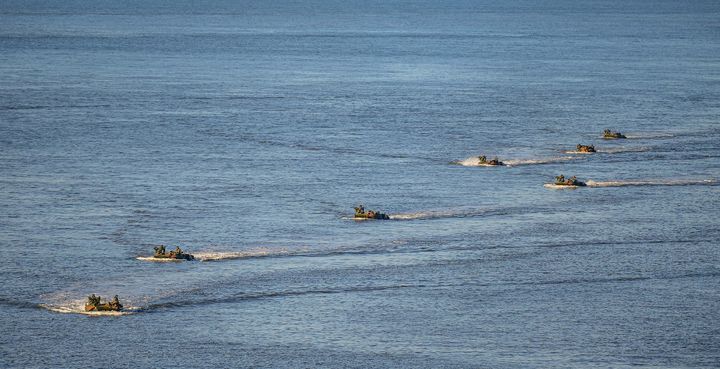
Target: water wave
(229, 255)
(518, 162)
(17, 304)
(456, 213)
(473, 161)
(616, 150)
(575, 152)
(254, 295)
(77, 307)
(305, 146)
(68, 303)
(273, 294)
(652, 182)
(648, 135)
(627, 278)
(434, 214)
(222, 255)
(269, 294)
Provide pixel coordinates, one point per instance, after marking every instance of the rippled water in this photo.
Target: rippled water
(246, 132)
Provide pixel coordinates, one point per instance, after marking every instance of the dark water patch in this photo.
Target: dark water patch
(18, 304)
(237, 97)
(648, 135)
(302, 146)
(51, 107)
(278, 294)
(337, 150)
(450, 243)
(653, 182)
(616, 279)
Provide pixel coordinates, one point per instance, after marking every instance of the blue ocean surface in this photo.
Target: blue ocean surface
(246, 131)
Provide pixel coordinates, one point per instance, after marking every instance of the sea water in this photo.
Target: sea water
(245, 132)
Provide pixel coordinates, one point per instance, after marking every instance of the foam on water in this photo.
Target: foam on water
(648, 135)
(77, 307)
(474, 162)
(221, 255)
(450, 213)
(158, 260)
(615, 150)
(263, 123)
(652, 182)
(426, 215)
(641, 136)
(437, 214)
(574, 152)
(228, 255)
(559, 187)
(518, 162)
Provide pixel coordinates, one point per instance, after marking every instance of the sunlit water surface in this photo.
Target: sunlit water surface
(245, 132)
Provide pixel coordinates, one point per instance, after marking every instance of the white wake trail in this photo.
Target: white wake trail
(473, 161)
(651, 182)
